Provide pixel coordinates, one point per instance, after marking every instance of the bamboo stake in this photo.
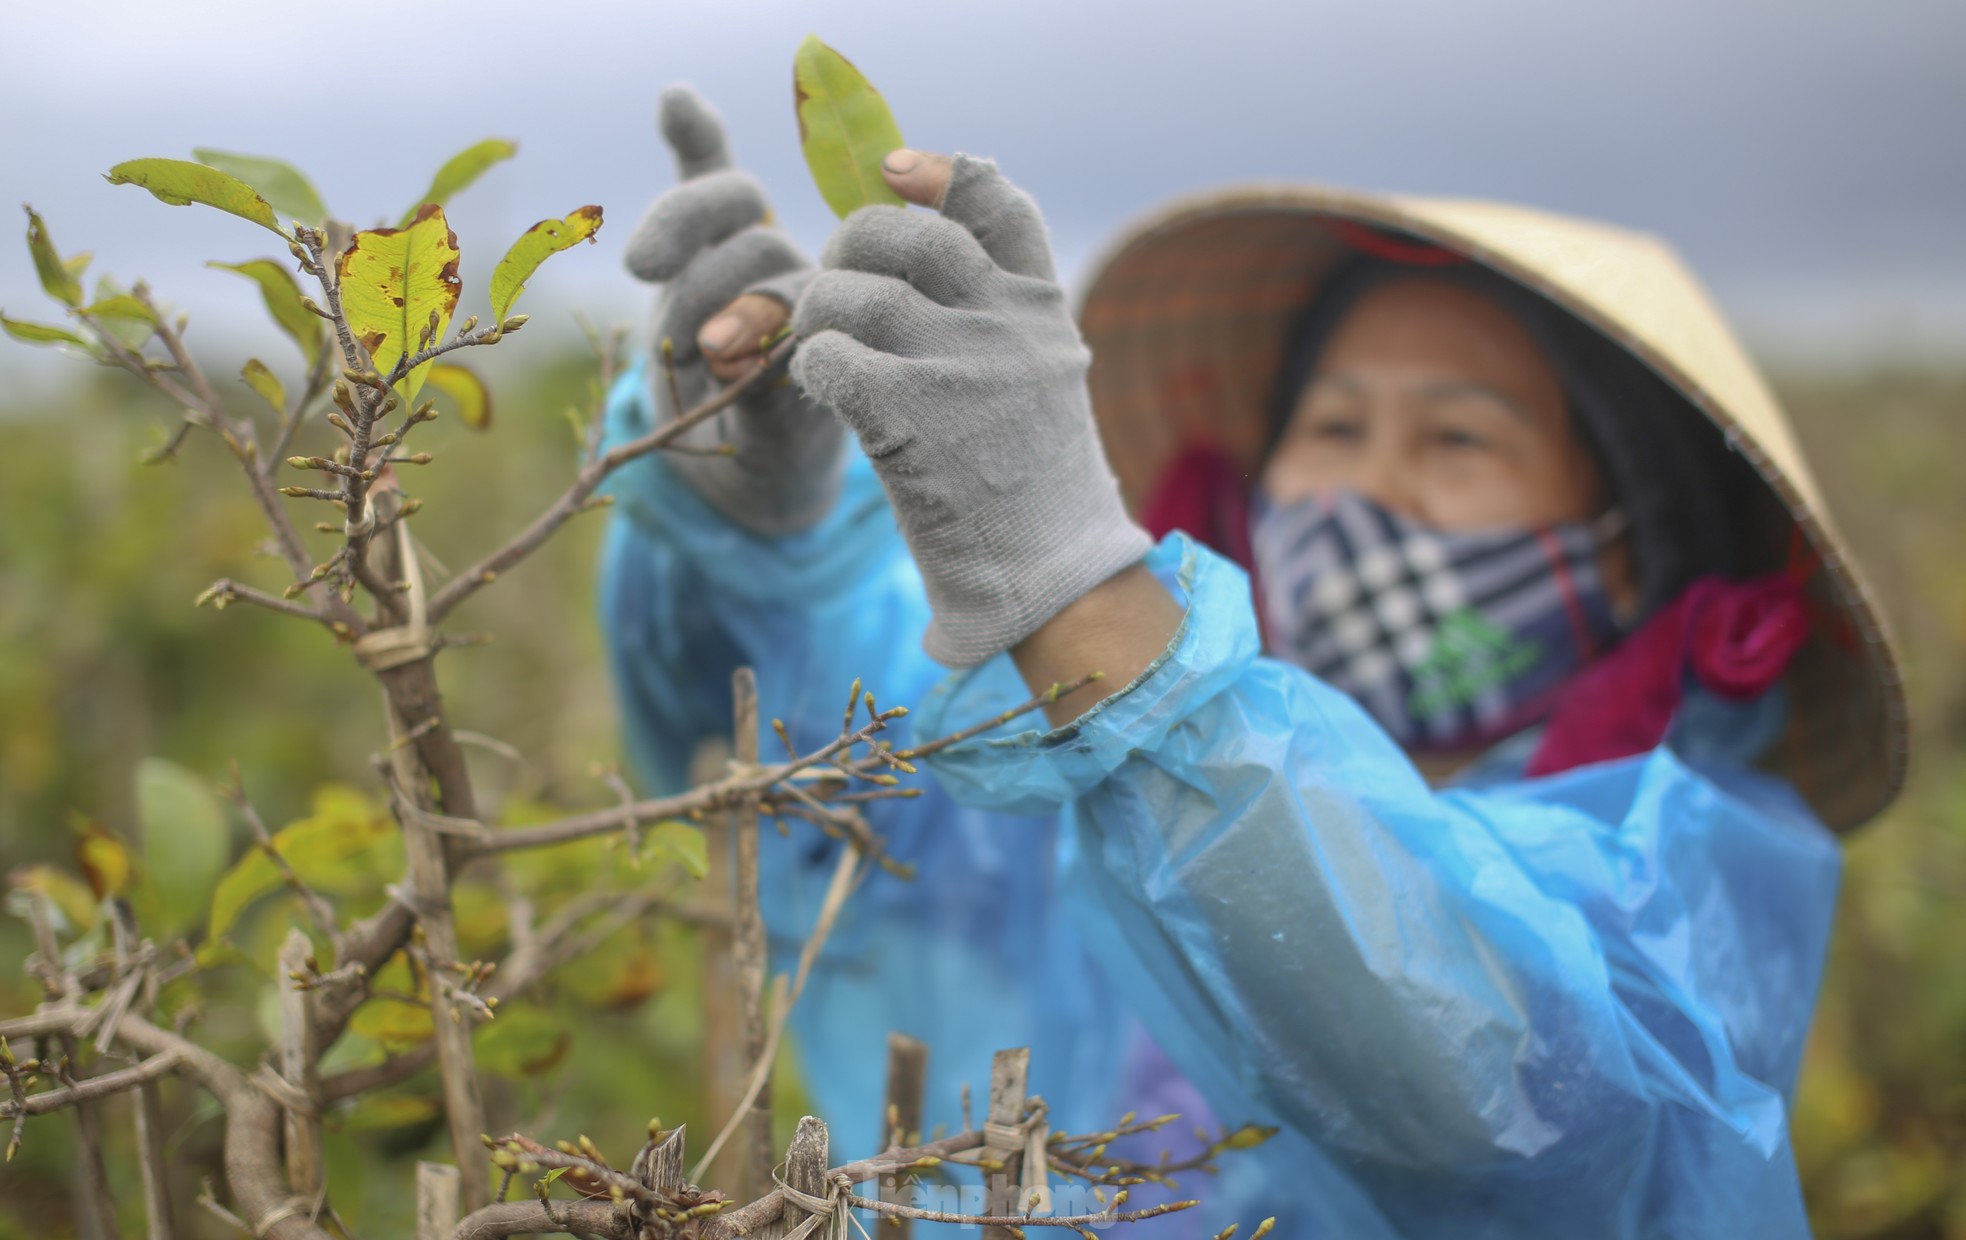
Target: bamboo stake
(755, 1163)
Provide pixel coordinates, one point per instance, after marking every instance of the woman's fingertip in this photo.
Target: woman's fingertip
(720, 333)
(902, 162)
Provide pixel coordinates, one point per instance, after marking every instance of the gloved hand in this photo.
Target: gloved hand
(706, 241)
(945, 342)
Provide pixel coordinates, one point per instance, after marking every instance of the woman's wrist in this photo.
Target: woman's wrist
(1117, 628)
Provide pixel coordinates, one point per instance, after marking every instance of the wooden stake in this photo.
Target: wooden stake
(1010, 1072)
(724, 1068)
(436, 1201)
(663, 1172)
(805, 1170)
(907, 1080)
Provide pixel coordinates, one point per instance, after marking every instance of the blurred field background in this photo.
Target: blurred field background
(104, 662)
(1794, 154)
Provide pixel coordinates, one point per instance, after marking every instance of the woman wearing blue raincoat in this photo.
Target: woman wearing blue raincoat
(1461, 792)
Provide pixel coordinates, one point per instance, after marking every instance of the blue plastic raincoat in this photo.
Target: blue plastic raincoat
(1572, 1006)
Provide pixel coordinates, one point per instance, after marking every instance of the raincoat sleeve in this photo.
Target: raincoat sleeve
(1553, 1004)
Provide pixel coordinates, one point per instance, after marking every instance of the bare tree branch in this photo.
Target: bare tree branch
(89, 1089)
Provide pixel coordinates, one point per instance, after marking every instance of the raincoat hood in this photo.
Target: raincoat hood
(1190, 314)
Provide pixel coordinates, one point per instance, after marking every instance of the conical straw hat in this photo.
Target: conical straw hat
(1189, 314)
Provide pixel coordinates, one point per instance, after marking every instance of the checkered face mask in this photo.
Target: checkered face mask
(1447, 639)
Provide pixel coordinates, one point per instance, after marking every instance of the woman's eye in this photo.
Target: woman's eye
(1458, 440)
(1337, 431)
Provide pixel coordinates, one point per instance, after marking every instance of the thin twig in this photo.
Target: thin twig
(88, 1089)
(591, 476)
(1018, 1220)
(319, 911)
(703, 800)
(225, 590)
(1042, 700)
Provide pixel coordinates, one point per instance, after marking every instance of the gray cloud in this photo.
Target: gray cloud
(1803, 155)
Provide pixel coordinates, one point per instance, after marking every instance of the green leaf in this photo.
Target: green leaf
(523, 1042)
(282, 296)
(121, 316)
(617, 975)
(675, 840)
(284, 186)
(60, 283)
(186, 841)
(399, 288)
(459, 171)
(394, 1023)
(266, 383)
(381, 1112)
(41, 333)
(535, 246)
(845, 129)
(466, 390)
(253, 876)
(181, 183)
(337, 850)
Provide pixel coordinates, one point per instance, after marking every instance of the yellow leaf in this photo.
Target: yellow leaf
(181, 183)
(537, 244)
(467, 390)
(399, 287)
(1247, 1137)
(104, 859)
(845, 129)
(67, 892)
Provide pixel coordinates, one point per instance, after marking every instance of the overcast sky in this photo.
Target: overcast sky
(1806, 156)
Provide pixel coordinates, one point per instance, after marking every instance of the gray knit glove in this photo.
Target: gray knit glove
(706, 241)
(944, 341)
